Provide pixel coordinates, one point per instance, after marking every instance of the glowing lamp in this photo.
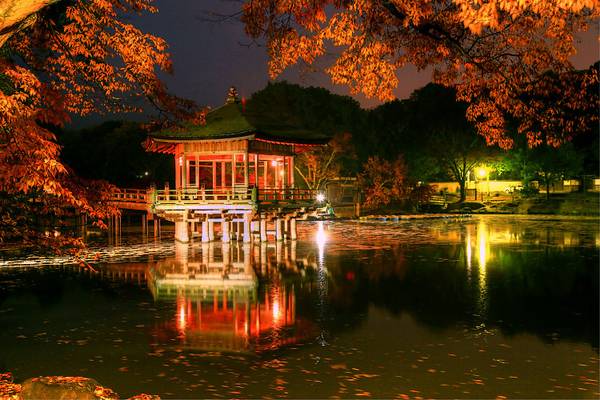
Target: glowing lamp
(320, 197)
(274, 163)
(481, 172)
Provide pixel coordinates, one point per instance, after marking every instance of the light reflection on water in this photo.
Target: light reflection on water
(218, 305)
(480, 308)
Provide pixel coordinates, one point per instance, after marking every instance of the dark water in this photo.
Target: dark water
(480, 308)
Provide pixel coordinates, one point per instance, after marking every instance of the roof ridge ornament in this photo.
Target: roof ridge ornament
(232, 95)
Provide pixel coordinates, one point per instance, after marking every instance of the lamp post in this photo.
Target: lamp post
(482, 172)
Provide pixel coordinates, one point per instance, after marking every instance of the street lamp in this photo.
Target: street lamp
(483, 172)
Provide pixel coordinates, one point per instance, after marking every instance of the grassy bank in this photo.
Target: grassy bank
(587, 204)
(575, 204)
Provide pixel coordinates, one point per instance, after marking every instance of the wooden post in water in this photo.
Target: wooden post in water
(247, 233)
(263, 229)
(293, 234)
(225, 231)
(278, 229)
(211, 231)
(205, 237)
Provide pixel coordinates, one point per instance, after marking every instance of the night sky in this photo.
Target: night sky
(209, 57)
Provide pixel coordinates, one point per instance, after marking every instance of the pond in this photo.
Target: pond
(484, 307)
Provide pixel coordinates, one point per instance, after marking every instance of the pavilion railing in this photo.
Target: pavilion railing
(230, 195)
(194, 195)
(240, 194)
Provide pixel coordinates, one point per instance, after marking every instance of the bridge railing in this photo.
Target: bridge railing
(131, 195)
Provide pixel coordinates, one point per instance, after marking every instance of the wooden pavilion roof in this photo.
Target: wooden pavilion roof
(234, 121)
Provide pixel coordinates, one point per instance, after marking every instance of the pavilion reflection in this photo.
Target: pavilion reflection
(221, 304)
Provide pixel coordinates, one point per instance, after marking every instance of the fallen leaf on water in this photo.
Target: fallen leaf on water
(338, 366)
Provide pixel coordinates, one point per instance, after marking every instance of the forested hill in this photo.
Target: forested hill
(422, 129)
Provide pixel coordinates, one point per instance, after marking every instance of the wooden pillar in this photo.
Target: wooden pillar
(205, 251)
(246, 169)
(225, 231)
(256, 170)
(155, 221)
(291, 172)
(233, 168)
(184, 166)
(223, 174)
(197, 170)
(293, 232)
(226, 249)
(284, 173)
(263, 229)
(214, 174)
(247, 259)
(181, 231)
(240, 230)
(263, 258)
(266, 164)
(279, 253)
(293, 253)
(205, 231)
(211, 231)
(247, 235)
(144, 224)
(233, 226)
(177, 171)
(278, 229)
(254, 228)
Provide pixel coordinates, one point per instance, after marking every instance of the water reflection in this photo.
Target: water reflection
(218, 305)
(448, 309)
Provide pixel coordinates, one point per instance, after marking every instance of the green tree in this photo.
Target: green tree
(555, 164)
(444, 135)
(113, 151)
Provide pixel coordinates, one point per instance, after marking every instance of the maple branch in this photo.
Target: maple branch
(16, 15)
(302, 176)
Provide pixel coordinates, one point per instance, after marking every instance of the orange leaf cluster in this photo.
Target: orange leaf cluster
(59, 58)
(494, 51)
(383, 182)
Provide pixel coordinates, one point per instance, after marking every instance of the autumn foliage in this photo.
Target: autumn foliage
(496, 53)
(383, 182)
(60, 58)
(321, 164)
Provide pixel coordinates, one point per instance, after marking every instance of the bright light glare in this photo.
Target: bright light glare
(276, 311)
(274, 163)
(320, 197)
(481, 172)
(321, 239)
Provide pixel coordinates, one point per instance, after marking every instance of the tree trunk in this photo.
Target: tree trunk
(463, 190)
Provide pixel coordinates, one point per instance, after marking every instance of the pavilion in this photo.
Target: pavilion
(236, 170)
